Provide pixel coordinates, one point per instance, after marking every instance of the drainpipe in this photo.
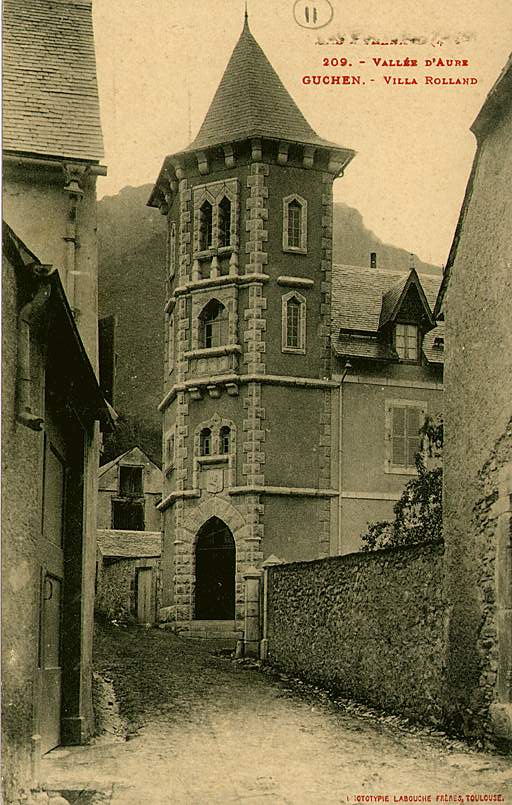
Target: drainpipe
(27, 315)
(73, 179)
(346, 369)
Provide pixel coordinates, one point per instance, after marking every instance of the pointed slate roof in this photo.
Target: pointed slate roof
(252, 101)
(393, 298)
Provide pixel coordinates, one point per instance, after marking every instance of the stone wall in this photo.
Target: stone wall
(478, 432)
(369, 625)
(116, 595)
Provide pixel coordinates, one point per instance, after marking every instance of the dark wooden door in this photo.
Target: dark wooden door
(215, 572)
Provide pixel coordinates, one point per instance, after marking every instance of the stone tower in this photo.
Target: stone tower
(247, 398)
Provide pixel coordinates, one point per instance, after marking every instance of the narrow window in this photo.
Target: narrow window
(170, 345)
(225, 435)
(293, 310)
(130, 482)
(405, 438)
(214, 325)
(294, 224)
(205, 442)
(172, 251)
(170, 450)
(406, 341)
(205, 226)
(225, 222)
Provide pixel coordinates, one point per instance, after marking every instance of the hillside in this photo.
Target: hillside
(131, 286)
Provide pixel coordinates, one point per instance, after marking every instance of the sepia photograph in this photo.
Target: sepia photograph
(256, 402)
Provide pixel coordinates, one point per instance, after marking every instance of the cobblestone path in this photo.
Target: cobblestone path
(208, 730)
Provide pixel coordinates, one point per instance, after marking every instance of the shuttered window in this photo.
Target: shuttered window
(405, 438)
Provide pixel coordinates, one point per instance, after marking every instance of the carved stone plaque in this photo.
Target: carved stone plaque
(215, 480)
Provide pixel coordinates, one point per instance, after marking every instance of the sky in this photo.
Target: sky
(160, 62)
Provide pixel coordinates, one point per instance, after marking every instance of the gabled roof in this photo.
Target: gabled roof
(50, 92)
(363, 299)
(357, 295)
(129, 544)
(394, 297)
(133, 455)
(252, 101)
(63, 341)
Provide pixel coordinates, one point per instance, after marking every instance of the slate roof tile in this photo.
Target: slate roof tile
(251, 100)
(51, 104)
(357, 300)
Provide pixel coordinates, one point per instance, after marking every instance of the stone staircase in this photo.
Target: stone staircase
(217, 635)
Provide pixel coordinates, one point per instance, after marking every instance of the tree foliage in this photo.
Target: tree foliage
(419, 511)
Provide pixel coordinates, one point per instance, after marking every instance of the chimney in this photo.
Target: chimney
(373, 259)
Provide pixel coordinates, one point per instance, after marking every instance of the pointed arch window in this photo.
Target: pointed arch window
(295, 224)
(213, 325)
(294, 323)
(225, 222)
(205, 225)
(224, 440)
(205, 442)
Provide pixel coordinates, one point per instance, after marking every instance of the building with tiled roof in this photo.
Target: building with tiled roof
(129, 537)
(365, 300)
(388, 359)
(274, 444)
(51, 160)
(50, 92)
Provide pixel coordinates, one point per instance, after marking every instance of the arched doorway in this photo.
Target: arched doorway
(215, 572)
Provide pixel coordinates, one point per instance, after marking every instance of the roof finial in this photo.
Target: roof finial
(246, 15)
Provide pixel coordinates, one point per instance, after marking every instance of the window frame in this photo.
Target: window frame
(205, 242)
(171, 356)
(302, 248)
(301, 300)
(205, 433)
(391, 404)
(221, 322)
(227, 221)
(172, 251)
(405, 358)
(140, 470)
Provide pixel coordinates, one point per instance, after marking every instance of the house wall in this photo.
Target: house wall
(369, 489)
(116, 595)
(37, 208)
(368, 625)
(478, 434)
(27, 553)
(108, 487)
(21, 528)
(26, 193)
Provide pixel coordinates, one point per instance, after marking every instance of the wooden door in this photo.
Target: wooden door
(51, 596)
(144, 584)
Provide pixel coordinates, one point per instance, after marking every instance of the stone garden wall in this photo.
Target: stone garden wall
(369, 625)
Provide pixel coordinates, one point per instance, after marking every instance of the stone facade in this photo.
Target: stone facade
(369, 626)
(51, 441)
(249, 381)
(476, 301)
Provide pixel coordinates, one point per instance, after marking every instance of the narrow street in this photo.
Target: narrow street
(204, 729)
